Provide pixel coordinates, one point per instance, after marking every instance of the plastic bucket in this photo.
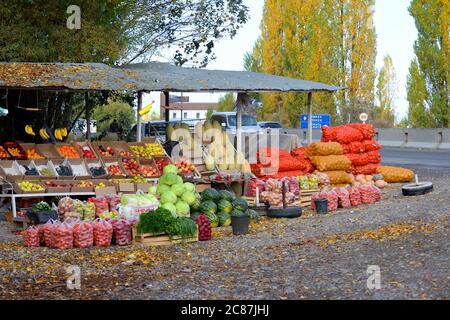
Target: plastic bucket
(321, 205)
(240, 225)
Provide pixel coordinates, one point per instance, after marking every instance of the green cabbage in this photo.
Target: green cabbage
(183, 209)
(178, 189)
(168, 197)
(189, 186)
(170, 169)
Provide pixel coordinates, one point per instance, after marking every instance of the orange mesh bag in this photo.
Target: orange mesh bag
(338, 177)
(299, 152)
(368, 169)
(367, 130)
(290, 164)
(374, 156)
(371, 145)
(358, 159)
(267, 156)
(395, 174)
(324, 149)
(346, 148)
(331, 163)
(346, 134)
(356, 147)
(328, 134)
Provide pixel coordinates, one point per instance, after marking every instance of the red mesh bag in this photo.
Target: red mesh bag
(356, 147)
(331, 196)
(343, 198)
(374, 157)
(371, 145)
(103, 232)
(122, 232)
(284, 174)
(328, 134)
(367, 169)
(346, 148)
(252, 185)
(354, 196)
(368, 194)
(31, 237)
(290, 164)
(346, 134)
(83, 235)
(47, 233)
(358, 159)
(299, 152)
(62, 236)
(268, 155)
(367, 130)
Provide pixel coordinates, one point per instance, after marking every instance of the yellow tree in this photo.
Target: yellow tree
(386, 94)
(331, 41)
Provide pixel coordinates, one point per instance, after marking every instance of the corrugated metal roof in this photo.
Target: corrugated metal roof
(157, 76)
(72, 76)
(152, 76)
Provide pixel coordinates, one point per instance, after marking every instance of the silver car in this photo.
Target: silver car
(229, 121)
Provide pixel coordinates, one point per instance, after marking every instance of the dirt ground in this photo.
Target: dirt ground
(314, 257)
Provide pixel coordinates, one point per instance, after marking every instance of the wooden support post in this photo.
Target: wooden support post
(241, 101)
(166, 109)
(87, 104)
(139, 120)
(310, 114)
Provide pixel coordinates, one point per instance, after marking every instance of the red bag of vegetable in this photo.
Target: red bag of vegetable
(373, 157)
(367, 130)
(346, 148)
(368, 195)
(113, 202)
(356, 147)
(344, 198)
(268, 155)
(103, 232)
(328, 134)
(288, 164)
(101, 204)
(122, 232)
(62, 236)
(31, 237)
(252, 185)
(371, 145)
(346, 134)
(47, 233)
(299, 152)
(366, 170)
(83, 235)
(376, 193)
(358, 160)
(330, 195)
(354, 196)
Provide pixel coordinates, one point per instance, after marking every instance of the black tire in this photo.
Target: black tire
(413, 189)
(290, 213)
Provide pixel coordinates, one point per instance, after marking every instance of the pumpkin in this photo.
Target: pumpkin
(378, 177)
(380, 184)
(369, 178)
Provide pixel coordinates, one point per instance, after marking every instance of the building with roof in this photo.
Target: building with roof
(182, 109)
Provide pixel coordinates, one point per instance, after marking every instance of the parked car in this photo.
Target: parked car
(229, 121)
(270, 125)
(157, 128)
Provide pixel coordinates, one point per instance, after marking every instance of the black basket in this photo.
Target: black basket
(42, 216)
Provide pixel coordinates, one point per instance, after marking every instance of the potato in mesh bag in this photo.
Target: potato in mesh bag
(331, 163)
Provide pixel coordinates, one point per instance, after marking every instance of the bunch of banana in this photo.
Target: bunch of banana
(43, 133)
(60, 133)
(29, 130)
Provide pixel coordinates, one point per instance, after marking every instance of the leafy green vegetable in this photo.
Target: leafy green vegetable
(155, 222)
(183, 227)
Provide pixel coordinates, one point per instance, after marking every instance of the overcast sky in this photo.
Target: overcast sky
(396, 34)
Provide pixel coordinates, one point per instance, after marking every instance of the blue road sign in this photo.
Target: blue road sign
(318, 121)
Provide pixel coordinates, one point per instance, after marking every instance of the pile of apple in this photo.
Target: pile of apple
(131, 166)
(105, 152)
(161, 163)
(125, 154)
(115, 170)
(204, 228)
(88, 153)
(149, 172)
(184, 166)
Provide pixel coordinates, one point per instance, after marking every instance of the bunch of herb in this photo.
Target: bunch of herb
(156, 222)
(183, 227)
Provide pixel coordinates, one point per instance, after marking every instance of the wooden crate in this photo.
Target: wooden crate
(160, 240)
(305, 197)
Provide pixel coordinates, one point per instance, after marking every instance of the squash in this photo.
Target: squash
(378, 177)
(380, 184)
(369, 178)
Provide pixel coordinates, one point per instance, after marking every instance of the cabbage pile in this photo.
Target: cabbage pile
(174, 194)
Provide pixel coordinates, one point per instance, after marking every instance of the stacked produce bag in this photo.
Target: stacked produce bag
(358, 144)
(329, 158)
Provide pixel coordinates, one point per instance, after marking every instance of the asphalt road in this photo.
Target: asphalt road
(416, 157)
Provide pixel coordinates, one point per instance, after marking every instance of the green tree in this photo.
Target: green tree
(428, 81)
(120, 112)
(386, 94)
(114, 32)
(226, 103)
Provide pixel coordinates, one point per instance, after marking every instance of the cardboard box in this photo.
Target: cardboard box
(144, 186)
(42, 164)
(62, 186)
(114, 161)
(29, 146)
(18, 190)
(104, 144)
(121, 146)
(127, 187)
(55, 163)
(105, 191)
(59, 145)
(79, 145)
(80, 170)
(11, 170)
(30, 164)
(48, 150)
(76, 188)
(95, 163)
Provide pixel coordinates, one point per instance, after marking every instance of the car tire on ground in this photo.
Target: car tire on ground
(291, 212)
(413, 189)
